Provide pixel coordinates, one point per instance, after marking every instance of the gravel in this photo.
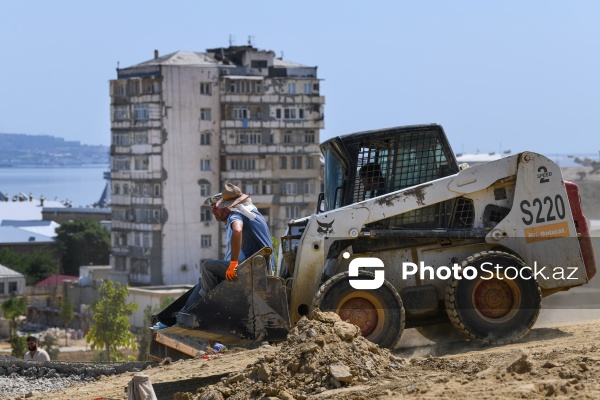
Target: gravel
(20, 378)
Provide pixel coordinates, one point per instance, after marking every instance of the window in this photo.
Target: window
(12, 287)
(119, 89)
(309, 136)
(205, 139)
(296, 162)
(282, 162)
(292, 212)
(205, 240)
(121, 163)
(309, 188)
(290, 188)
(242, 164)
(241, 113)
(121, 139)
(289, 113)
(309, 163)
(157, 190)
(140, 137)
(291, 87)
(125, 189)
(141, 112)
(288, 137)
(205, 189)
(120, 263)
(141, 163)
(133, 87)
(307, 88)
(243, 86)
(251, 188)
(205, 214)
(205, 114)
(156, 217)
(121, 113)
(117, 188)
(205, 88)
(259, 64)
(267, 188)
(145, 190)
(251, 137)
(205, 165)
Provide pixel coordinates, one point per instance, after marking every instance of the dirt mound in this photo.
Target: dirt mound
(320, 354)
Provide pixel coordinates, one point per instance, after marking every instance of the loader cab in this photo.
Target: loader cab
(369, 164)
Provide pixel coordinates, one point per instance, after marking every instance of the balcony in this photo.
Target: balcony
(273, 124)
(282, 98)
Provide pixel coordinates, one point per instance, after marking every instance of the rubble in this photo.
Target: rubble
(320, 354)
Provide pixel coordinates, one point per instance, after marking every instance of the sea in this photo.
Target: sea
(80, 185)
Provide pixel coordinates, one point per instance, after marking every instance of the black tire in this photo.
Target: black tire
(441, 333)
(494, 310)
(378, 312)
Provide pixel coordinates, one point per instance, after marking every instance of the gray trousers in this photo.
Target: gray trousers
(212, 272)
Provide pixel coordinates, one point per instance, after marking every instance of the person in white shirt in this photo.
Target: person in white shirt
(35, 354)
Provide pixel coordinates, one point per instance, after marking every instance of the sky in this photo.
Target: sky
(497, 75)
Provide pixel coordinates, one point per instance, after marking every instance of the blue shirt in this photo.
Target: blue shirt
(255, 235)
(217, 347)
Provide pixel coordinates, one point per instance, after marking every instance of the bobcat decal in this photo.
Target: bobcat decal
(325, 229)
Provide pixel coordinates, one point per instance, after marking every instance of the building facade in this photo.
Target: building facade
(184, 124)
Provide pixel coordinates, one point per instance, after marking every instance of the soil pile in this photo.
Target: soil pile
(320, 354)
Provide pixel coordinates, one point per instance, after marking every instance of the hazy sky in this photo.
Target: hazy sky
(518, 75)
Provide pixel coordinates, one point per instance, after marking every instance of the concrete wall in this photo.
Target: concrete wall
(182, 154)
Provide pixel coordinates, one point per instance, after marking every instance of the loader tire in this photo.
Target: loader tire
(498, 309)
(378, 313)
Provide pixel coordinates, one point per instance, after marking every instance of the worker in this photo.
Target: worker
(215, 346)
(372, 180)
(246, 233)
(35, 353)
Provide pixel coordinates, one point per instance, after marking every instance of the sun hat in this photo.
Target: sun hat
(231, 197)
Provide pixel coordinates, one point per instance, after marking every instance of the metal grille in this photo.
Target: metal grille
(387, 165)
(464, 214)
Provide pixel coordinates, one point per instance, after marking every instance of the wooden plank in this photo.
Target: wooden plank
(174, 344)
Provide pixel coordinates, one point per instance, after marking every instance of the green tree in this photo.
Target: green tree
(36, 265)
(110, 330)
(66, 315)
(83, 242)
(275, 252)
(143, 336)
(18, 345)
(13, 308)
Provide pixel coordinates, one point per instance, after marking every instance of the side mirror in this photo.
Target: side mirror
(321, 203)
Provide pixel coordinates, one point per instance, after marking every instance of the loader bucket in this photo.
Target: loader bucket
(250, 309)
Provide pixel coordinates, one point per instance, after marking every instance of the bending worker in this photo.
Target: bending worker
(246, 233)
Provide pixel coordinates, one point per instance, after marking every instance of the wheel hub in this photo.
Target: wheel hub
(360, 312)
(493, 298)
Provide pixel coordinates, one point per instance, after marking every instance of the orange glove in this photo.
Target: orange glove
(231, 274)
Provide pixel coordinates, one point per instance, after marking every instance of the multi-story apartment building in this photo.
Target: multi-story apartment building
(184, 124)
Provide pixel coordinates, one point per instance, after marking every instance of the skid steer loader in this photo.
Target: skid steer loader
(405, 237)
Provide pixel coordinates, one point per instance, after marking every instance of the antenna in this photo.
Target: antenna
(231, 40)
(281, 55)
(250, 39)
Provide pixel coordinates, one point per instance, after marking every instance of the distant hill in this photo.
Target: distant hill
(18, 150)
